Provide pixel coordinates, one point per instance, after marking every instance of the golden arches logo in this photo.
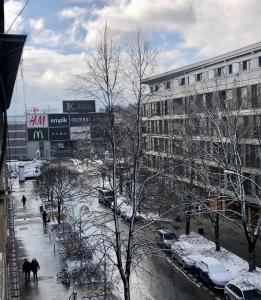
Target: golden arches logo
(38, 134)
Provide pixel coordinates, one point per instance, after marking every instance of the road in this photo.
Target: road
(155, 278)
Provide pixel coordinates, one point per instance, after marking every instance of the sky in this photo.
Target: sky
(62, 32)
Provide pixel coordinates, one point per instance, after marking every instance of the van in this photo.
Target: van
(106, 196)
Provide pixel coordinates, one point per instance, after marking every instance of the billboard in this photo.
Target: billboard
(79, 106)
(80, 133)
(37, 134)
(79, 119)
(58, 120)
(59, 134)
(37, 121)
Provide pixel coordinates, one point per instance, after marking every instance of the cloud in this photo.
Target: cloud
(46, 75)
(12, 9)
(41, 35)
(209, 27)
(72, 12)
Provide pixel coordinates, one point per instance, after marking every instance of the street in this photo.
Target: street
(155, 278)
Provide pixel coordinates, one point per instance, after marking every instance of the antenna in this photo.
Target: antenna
(2, 17)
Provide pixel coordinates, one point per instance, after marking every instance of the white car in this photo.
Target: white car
(212, 272)
(235, 290)
(165, 238)
(185, 254)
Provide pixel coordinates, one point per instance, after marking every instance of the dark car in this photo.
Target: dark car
(106, 196)
(165, 238)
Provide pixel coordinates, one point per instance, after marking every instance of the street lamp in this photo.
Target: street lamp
(231, 172)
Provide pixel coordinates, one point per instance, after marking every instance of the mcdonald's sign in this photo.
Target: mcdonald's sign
(37, 134)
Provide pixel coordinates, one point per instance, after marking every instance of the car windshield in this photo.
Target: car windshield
(252, 295)
(169, 236)
(108, 194)
(217, 268)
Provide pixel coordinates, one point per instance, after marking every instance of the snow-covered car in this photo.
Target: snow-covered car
(165, 238)
(212, 272)
(235, 290)
(106, 196)
(184, 253)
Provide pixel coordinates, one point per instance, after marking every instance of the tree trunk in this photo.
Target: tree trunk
(126, 289)
(59, 213)
(217, 235)
(187, 231)
(251, 257)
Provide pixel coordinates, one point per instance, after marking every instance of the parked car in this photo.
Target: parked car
(106, 196)
(212, 272)
(165, 238)
(184, 253)
(235, 290)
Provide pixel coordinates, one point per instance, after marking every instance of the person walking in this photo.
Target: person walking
(44, 217)
(35, 267)
(26, 270)
(24, 200)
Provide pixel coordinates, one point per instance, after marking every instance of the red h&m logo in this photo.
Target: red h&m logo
(37, 120)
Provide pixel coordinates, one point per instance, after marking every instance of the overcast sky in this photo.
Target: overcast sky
(61, 32)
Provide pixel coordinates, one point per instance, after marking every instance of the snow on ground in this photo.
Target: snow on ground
(237, 266)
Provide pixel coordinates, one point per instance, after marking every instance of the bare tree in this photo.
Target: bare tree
(103, 81)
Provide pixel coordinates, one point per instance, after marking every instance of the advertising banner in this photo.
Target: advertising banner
(37, 134)
(37, 121)
(58, 120)
(79, 119)
(79, 106)
(59, 134)
(80, 133)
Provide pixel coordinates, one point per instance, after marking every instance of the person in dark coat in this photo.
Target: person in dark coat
(35, 267)
(26, 270)
(23, 200)
(44, 217)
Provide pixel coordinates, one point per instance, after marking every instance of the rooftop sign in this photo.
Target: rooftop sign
(82, 106)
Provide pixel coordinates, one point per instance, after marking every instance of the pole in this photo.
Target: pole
(2, 17)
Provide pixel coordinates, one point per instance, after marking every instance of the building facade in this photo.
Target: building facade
(182, 104)
(17, 138)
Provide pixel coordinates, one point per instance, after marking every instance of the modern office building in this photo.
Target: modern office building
(77, 131)
(17, 138)
(230, 85)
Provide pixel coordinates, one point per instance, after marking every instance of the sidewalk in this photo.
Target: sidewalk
(33, 241)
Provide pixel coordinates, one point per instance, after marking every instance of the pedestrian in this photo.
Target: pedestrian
(35, 267)
(23, 200)
(44, 217)
(26, 270)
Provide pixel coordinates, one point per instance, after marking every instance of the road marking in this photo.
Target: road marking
(172, 263)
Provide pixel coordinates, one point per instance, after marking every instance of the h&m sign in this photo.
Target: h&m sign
(37, 121)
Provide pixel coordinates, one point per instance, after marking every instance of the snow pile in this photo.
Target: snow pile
(236, 265)
(126, 210)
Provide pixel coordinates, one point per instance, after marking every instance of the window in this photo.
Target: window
(156, 88)
(151, 89)
(230, 69)
(182, 81)
(219, 72)
(167, 85)
(199, 77)
(259, 61)
(211, 74)
(245, 65)
(235, 67)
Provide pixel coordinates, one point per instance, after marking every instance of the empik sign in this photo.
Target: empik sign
(58, 120)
